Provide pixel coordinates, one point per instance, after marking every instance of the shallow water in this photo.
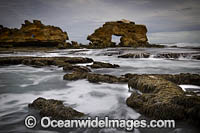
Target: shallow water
(20, 85)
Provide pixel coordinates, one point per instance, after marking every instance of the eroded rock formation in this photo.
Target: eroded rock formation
(131, 34)
(32, 34)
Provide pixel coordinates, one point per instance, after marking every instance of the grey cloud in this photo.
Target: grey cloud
(80, 17)
(175, 37)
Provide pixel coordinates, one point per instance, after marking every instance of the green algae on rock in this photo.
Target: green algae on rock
(55, 109)
(162, 99)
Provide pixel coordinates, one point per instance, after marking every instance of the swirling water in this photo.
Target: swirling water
(20, 85)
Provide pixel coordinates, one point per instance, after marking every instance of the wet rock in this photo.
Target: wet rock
(54, 109)
(103, 65)
(197, 57)
(131, 35)
(96, 78)
(75, 75)
(11, 60)
(69, 67)
(44, 61)
(33, 34)
(6, 52)
(81, 69)
(74, 60)
(38, 61)
(151, 83)
(75, 44)
(182, 78)
(64, 45)
(172, 55)
(162, 99)
(135, 55)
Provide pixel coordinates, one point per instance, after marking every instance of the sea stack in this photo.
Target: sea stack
(32, 34)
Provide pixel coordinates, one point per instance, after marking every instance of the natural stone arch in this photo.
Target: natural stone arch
(131, 34)
(116, 39)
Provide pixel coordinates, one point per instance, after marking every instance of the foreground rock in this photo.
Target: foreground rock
(54, 109)
(32, 34)
(103, 65)
(162, 99)
(131, 34)
(135, 55)
(43, 61)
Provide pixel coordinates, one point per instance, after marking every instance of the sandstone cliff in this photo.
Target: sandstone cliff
(32, 34)
(131, 34)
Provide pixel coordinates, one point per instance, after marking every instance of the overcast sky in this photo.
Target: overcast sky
(168, 21)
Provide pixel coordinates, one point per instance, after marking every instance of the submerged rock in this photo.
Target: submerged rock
(131, 35)
(135, 55)
(54, 109)
(103, 65)
(33, 34)
(162, 99)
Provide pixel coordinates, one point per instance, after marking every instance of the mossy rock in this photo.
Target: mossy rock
(54, 109)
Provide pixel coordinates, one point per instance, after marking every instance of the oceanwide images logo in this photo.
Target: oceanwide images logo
(46, 122)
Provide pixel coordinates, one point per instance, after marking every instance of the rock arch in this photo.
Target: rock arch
(131, 34)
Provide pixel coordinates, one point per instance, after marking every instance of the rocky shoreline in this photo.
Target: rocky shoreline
(158, 95)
